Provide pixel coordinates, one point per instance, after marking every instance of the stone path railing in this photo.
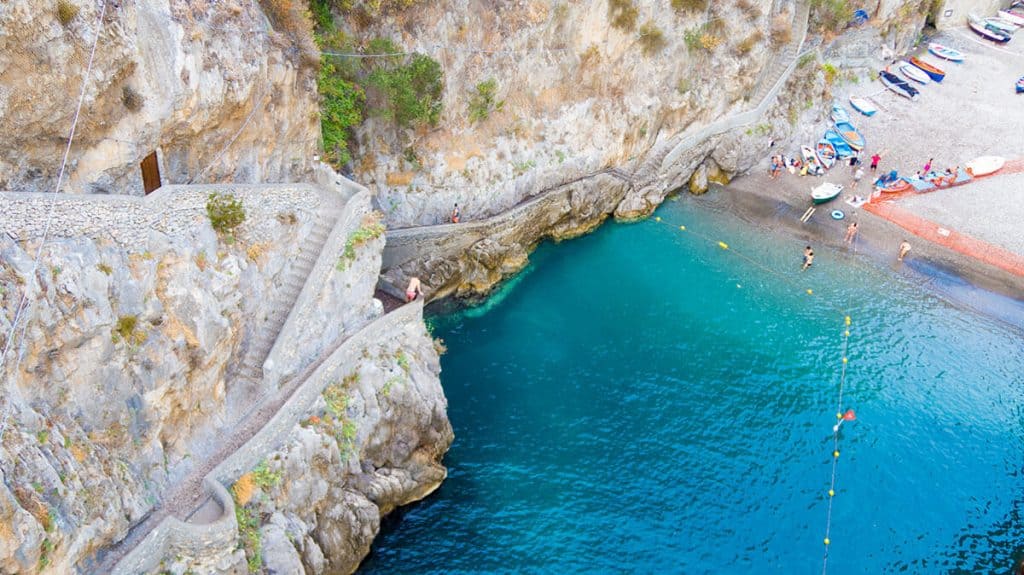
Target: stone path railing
(263, 433)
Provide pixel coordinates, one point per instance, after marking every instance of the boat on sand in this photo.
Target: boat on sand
(826, 153)
(934, 72)
(914, 73)
(1015, 16)
(945, 52)
(850, 135)
(826, 192)
(987, 31)
(839, 113)
(843, 150)
(811, 163)
(863, 105)
(985, 165)
(900, 87)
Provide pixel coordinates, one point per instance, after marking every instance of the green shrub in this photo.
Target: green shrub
(831, 72)
(371, 229)
(652, 40)
(484, 101)
(105, 268)
(413, 90)
(831, 15)
(249, 533)
(127, 329)
(341, 110)
(66, 12)
(692, 5)
(225, 212)
(623, 14)
(263, 477)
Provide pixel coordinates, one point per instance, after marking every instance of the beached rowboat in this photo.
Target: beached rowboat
(988, 32)
(945, 52)
(985, 165)
(900, 185)
(914, 73)
(811, 163)
(1014, 16)
(843, 150)
(1000, 24)
(826, 153)
(934, 72)
(850, 135)
(839, 113)
(894, 83)
(1020, 85)
(863, 105)
(826, 192)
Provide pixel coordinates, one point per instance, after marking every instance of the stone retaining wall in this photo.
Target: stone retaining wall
(171, 210)
(174, 537)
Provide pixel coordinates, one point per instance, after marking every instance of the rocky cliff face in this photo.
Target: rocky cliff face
(583, 85)
(209, 86)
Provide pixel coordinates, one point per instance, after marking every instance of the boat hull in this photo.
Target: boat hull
(863, 106)
(936, 74)
(826, 153)
(843, 149)
(988, 34)
(826, 193)
(985, 165)
(1012, 17)
(945, 53)
(914, 73)
(850, 135)
(892, 82)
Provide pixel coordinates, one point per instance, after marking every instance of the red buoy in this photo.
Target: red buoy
(849, 415)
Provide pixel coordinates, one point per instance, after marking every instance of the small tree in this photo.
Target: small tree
(225, 211)
(413, 90)
(484, 101)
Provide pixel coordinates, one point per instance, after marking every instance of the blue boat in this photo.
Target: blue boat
(839, 113)
(863, 105)
(843, 150)
(850, 135)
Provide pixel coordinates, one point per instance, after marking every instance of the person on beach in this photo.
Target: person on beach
(808, 258)
(928, 166)
(414, 290)
(851, 232)
(456, 214)
(874, 161)
(904, 250)
(857, 175)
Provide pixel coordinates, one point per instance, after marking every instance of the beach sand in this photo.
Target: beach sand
(973, 112)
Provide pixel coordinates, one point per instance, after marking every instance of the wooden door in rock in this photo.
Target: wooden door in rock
(150, 173)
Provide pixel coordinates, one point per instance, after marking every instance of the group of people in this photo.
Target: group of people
(851, 234)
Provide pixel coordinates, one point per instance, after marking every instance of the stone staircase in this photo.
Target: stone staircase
(250, 368)
(651, 166)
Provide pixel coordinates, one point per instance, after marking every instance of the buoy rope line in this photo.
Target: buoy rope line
(24, 306)
(841, 415)
(840, 418)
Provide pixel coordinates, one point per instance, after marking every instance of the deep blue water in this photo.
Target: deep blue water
(641, 400)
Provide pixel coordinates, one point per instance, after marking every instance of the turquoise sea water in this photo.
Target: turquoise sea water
(642, 401)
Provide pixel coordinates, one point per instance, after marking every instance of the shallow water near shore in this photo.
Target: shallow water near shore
(642, 400)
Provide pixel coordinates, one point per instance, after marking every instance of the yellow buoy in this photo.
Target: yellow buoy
(657, 219)
(845, 360)
(682, 227)
(839, 416)
(847, 333)
(723, 245)
(831, 493)
(827, 541)
(835, 453)
(847, 320)
(810, 292)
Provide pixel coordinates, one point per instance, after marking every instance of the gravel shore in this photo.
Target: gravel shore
(973, 112)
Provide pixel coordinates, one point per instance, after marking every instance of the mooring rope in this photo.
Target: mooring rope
(841, 415)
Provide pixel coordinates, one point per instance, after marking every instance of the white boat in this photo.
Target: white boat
(1012, 16)
(814, 167)
(863, 105)
(826, 192)
(914, 73)
(985, 165)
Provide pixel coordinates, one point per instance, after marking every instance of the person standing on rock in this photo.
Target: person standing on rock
(456, 214)
(904, 250)
(414, 290)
